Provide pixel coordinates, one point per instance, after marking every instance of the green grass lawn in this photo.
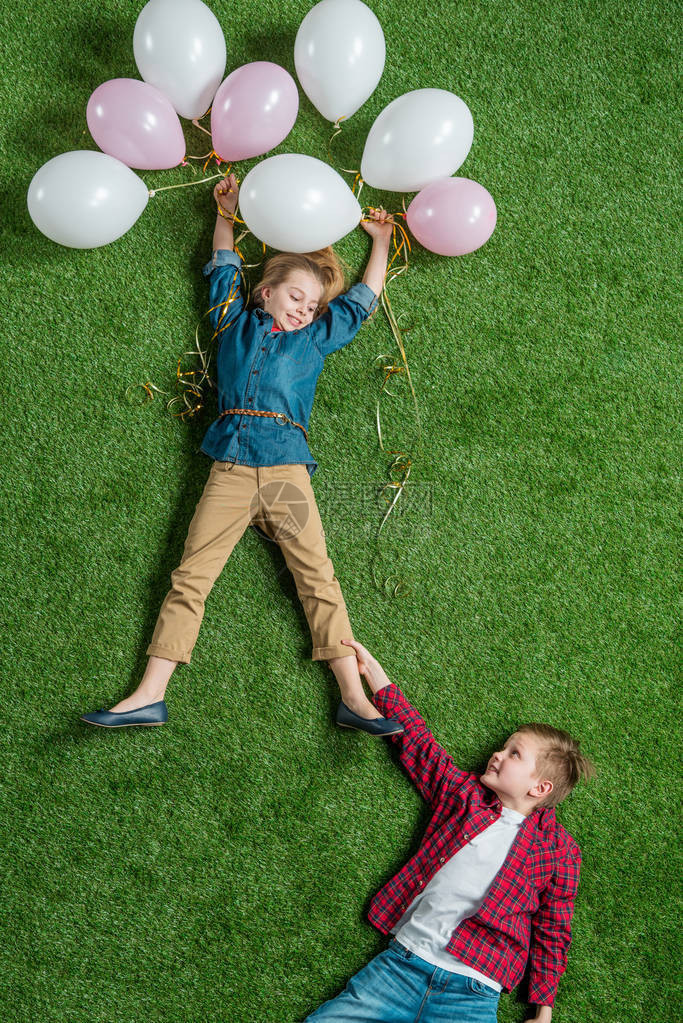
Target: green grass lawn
(220, 868)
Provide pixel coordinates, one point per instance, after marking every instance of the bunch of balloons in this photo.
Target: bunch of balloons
(85, 199)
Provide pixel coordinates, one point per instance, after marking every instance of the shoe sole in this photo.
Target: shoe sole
(375, 735)
(129, 724)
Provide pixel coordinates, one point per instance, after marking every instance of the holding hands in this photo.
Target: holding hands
(368, 667)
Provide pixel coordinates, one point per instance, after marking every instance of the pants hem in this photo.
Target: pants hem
(326, 653)
(154, 650)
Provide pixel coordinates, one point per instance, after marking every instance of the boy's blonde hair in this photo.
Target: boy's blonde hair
(323, 264)
(559, 759)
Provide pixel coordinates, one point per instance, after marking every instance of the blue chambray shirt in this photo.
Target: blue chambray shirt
(271, 371)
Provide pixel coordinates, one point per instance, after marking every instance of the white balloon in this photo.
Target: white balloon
(179, 48)
(85, 199)
(339, 55)
(296, 203)
(418, 138)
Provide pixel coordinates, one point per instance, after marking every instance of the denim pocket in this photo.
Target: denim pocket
(295, 345)
(477, 988)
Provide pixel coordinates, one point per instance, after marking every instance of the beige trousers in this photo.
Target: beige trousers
(280, 500)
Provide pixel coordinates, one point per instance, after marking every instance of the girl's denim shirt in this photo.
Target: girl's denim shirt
(274, 371)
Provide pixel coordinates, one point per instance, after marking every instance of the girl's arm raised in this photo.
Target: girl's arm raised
(226, 194)
(380, 229)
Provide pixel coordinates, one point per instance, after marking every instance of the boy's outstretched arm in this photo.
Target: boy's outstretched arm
(430, 767)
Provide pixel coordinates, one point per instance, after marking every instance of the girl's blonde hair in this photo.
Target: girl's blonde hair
(324, 264)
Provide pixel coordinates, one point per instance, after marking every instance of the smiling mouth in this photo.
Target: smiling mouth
(296, 322)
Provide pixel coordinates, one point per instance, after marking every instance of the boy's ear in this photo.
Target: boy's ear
(542, 790)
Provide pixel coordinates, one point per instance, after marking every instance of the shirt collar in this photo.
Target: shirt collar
(542, 817)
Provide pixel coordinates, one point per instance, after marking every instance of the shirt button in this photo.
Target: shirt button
(442, 859)
(263, 348)
(421, 883)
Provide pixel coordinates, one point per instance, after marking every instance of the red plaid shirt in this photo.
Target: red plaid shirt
(528, 909)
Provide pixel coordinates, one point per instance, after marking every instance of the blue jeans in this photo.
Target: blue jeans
(399, 987)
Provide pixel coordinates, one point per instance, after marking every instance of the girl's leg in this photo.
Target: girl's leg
(288, 513)
(151, 688)
(221, 517)
(350, 684)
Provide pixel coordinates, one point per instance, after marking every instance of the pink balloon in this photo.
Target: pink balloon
(253, 111)
(452, 216)
(136, 123)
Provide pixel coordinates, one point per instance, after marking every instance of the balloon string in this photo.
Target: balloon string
(347, 170)
(186, 184)
(195, 121)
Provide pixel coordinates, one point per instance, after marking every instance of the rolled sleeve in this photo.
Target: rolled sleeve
(344, 317)
(221, 257)
(364, 295)
(226, 300)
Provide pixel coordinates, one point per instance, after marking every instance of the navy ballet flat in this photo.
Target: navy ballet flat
(152, 714)
(374, 726)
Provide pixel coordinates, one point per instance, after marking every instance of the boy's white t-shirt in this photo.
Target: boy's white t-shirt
(456, 891)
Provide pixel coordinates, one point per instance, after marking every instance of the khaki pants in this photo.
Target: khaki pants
(280, 500)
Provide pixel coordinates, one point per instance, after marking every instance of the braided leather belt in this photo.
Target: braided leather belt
(280, 416)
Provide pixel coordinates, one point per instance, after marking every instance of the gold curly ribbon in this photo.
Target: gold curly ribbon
(399, 470)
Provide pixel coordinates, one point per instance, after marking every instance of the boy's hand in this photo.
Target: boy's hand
(380, 225)
(367, 666)
(544, 1014)
(226, 194)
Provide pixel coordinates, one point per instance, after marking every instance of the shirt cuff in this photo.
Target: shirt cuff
(364, 295)
(222, 257)
(383, 697)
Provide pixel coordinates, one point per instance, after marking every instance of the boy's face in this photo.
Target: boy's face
(512, 774)
(294, 303)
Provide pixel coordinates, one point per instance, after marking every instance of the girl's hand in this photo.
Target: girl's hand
(381, 224)
(226, 194)
(371, 669)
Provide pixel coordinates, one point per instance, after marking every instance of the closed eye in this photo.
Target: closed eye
(311, 308)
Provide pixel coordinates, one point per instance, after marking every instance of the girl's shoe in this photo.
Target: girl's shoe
(375, 726)
(152, 714)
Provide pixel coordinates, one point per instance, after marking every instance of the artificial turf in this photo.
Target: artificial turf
(220, 868)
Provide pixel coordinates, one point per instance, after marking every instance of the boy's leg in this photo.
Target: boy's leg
(390, 989)
(289, 514)
(455, 997)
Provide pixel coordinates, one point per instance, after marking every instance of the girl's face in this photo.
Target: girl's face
(294, 303)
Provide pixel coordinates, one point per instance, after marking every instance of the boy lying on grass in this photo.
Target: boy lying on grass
(492, 884)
